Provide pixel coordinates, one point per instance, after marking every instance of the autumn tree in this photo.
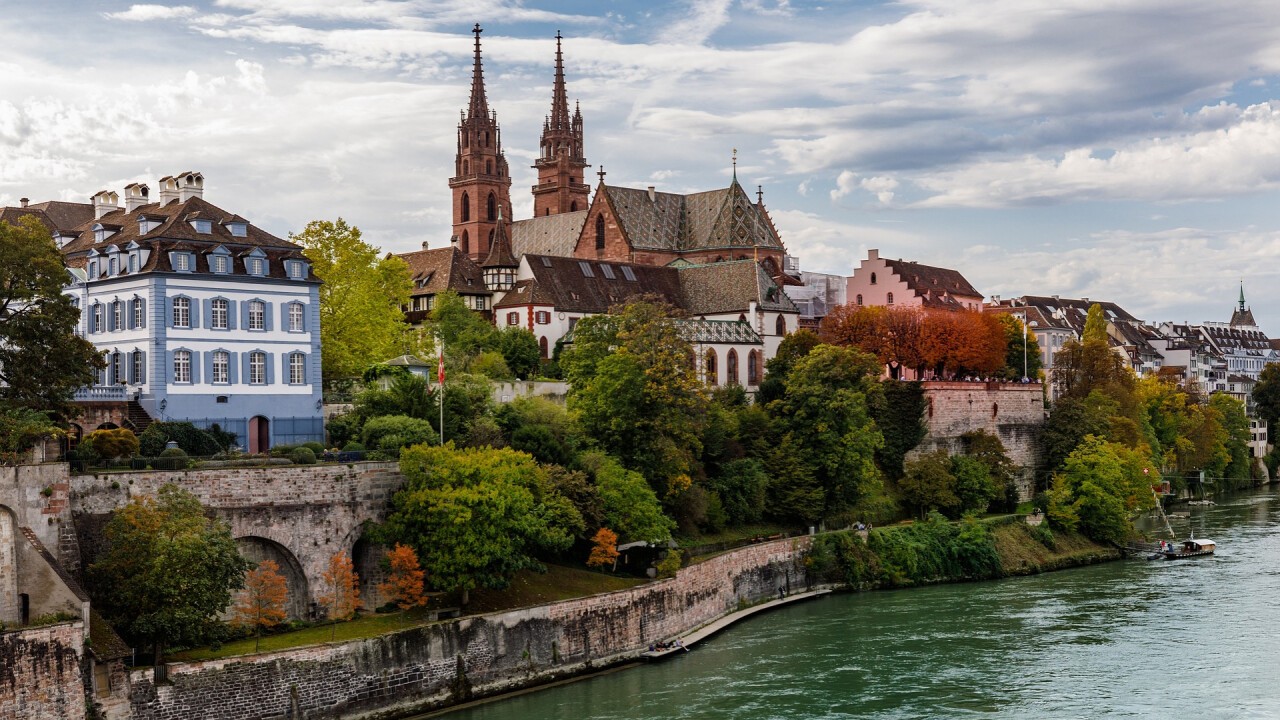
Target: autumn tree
(604, 549)
(42, 359)
(361, 298)
(1089, 364)
(404, 583)
(343, 596)
(260, 605)
(168, 571)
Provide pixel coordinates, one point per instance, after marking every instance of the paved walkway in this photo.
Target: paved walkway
(695, 636)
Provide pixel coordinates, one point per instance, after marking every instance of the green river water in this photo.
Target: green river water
(1133, 639)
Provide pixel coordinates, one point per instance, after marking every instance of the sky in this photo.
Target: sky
(1126, 150)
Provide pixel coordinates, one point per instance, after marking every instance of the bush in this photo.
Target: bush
(315, 447)
(669, 565)
(189, 437)
(117, 443)
(491, 365)
(170, 459)
(303, 456)
(284, 450)
(343, 429)
(353, 446)
(393, 432)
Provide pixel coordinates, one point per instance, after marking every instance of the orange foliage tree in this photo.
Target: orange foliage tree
(344, 588)
(605, 551)
(404, 584)
(944, 342)
(261, 603)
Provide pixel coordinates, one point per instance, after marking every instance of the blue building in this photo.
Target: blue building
(200, 315)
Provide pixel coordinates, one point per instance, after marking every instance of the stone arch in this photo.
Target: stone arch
(366, 559)
(10, 608)
(107, 426)
(257, 548)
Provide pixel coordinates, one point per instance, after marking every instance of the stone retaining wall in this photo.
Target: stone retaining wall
(444, 663)
(40, 673)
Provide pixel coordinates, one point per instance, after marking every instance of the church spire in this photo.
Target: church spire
(1242, 294)
(561, 160)
(479, 106)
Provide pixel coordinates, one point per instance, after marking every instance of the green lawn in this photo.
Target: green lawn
(527, 588)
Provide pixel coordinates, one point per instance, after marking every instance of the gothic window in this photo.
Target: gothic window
(466, 139)
(889, 299)
(542, 346)
(753, 367)
(712, 375)
(466, 207)
(731, 367)
(465, 244)
(466, 167)
(492, 207)
(600, 232)
(488, 167)
(486, 138)
(573, 206)
(873, 278)
(780, 328)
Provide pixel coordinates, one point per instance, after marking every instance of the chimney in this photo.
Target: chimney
(168, 189)
(424, 244)
(873, 254)
(105, 201)
(1055, 298)
(135, 196)
(190, 185)
(1084, 300)
(25, 201)
(651, 195)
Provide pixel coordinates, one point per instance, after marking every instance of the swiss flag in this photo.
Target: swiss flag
(440, 369)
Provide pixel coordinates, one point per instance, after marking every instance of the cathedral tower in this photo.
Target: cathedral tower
(560, 163)
(482, 184)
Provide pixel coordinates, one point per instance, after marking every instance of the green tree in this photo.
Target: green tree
(1017, 351)
(520, 349)
(741, 486)
(168, 571)
(927, 484)
(1266, 395)
(42, 359)
(1069, 421)
(898, 410)
(1100, 485)
(825, 411)
(464, 331)
(988, 450)
(477, 515)
(361, 320)
(974, 488)
(1239, 469)
(792, 348)
(21, 430)
(630, 506)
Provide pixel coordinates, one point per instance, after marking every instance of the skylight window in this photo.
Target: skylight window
(586, 269)
(626, 273)
(546, 261)
(607, 271)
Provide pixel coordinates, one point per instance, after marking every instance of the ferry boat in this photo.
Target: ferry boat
(1195, 547)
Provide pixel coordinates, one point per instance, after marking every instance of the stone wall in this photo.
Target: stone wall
(444, 663)
(40, 673)
(1013, 412)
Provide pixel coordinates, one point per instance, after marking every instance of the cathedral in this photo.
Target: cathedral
(714, 254)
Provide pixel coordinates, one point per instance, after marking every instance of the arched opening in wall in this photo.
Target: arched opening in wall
(107, 426)
(859, 300)
(888, 299)
(491, 206)
(710, 368)
(780, 327)
(753, 368)
(466, 207)
(259, 434)
(366, 559)
(466, 167)
(488, 167)
(731, 367)
(600, 231)
(573, 206)
(256, 549)
(542, 347)
(873, 278)
(72, 439)
(10, 609)
(995, 410)
(465, 243)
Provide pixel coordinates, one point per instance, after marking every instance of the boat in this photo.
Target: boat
(1194, 547)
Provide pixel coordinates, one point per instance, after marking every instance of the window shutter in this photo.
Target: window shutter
(208, 312)
(128, 313)
(266, 316)
(142, 367)
(168, 366)
(270, 366)
(142, 304)
(232, 368)
(284, 315)
(195, 367)
(244, 367)
(208, 366)
(244, 319)
(195, 316)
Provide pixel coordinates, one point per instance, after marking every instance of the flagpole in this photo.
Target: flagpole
(440, 380)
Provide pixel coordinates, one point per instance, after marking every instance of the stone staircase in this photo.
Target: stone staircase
(137, 417)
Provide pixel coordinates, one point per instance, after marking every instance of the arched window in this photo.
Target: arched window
(753, 367)
(873, 278)
(731, 367)
(859, 301)
(466, 139)
(492, 207)
(600, 231)
(995, 410)
(486, 138)
(488, 167)
(573, 206)
(465, 243)
(780, 327)
(888, 299)
(466, 207)
(542, 345)
(742, 317)
(711, 372)
(466, 167)
(546, 211)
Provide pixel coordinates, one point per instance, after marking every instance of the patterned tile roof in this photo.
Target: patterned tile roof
(699, 221)
(731, 287)
(446, 268)
(548, 235)
(718, 332)
(175, 224)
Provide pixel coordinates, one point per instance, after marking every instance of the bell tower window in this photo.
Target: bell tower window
(492, 208)
(600, 232)
(466, 207)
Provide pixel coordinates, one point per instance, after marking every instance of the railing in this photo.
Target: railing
(103, 393)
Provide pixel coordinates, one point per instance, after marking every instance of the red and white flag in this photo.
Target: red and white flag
(440, 369)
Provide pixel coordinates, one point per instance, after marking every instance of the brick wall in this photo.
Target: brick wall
(441, 664)
(1013, 412)
(40, 673)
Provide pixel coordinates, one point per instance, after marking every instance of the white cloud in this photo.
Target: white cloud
(880, 186)
(803, 188)
(251, 77)
(146, 13)
(830, 246)
(845, 184)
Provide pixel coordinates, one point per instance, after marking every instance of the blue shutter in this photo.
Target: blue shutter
(195, 315)
(168, 366)
(195, 367)
(244, 367)
(142, 378)
(284, 315)
(232, 368)
(271, 369)
(140, 306)
(244, 318)
(231, 314)
(266, 316)
(208, 312)
(208, 366)
(128, 314)
(168, 305)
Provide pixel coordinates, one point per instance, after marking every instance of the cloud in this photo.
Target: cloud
(845, 184)
(146, 13)
(880, 186)
(831, 246)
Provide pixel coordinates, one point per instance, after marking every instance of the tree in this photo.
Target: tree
(343, 598)
(988, 450)
(42, 359)
(927, 484)
(1100, 485)
(404, 584)
(117, 443)
(790, 350)
(464, 331)
(261, 603)
(168, 571)
(20, 430)
(604, 550)
(520, 349)
(630, 506)
(1239, 468)
(825, 412)
(1266, 395)
(974, 487)
(898, 410)
(478, 515)
(1022, 351)
(361, 320)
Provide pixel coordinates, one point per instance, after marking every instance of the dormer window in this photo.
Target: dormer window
(101, 233)
(182, 262)
(93, 269)
(297, 270)
(255, 266)
(113, 267)
(146, 225)
(238, 229)
(218, 263)
(204, 227)
(133, 262)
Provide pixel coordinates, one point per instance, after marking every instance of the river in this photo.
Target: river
(1131, 639)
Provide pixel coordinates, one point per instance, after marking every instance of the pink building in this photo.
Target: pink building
(900, 283)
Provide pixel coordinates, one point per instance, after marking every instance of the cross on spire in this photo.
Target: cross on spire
(601, 174)
(760, 194)
(479, 103)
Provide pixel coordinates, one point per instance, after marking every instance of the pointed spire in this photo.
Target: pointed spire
(1242, 294)
(500, 255)
(559, 98)
(735, 166)
(479, 103)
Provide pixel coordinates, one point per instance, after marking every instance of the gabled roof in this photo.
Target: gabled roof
(564, 284)
(728, 287)
(174, 225)
(66, 216)
(13, 215)
(446, 268)
(548, 235)
(931, 283)
(724, 218)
